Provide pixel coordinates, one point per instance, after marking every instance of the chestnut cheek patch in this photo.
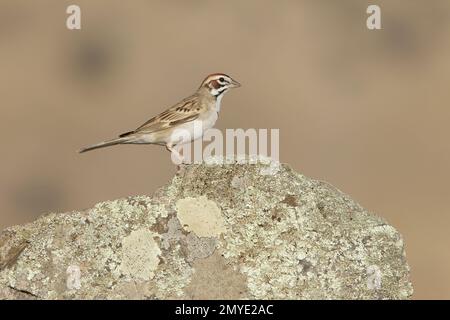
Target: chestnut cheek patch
(215, 84)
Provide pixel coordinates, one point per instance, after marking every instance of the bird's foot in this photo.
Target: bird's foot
(176, 157)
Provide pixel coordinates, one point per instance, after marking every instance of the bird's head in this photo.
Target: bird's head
(219, 83)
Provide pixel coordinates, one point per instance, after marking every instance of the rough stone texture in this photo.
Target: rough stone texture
(272, 234)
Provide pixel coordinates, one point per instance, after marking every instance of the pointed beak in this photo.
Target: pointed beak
(235, 84)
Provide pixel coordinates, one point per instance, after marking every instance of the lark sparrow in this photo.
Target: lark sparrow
(200, 110)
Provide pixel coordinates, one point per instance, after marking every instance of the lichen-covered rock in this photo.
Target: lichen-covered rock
(217, 231)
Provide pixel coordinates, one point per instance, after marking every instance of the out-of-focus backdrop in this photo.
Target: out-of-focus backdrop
(367, 111)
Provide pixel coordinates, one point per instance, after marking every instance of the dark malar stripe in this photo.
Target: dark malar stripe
(220, 91)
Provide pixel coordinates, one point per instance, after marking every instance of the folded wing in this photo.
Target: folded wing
(187, 110)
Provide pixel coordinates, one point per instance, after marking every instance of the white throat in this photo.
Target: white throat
(218, 101)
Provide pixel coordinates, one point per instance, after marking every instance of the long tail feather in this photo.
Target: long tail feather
(104, 144)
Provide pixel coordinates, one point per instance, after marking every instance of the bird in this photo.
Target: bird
(200, 110)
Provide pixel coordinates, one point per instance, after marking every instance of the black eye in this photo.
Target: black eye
(222, 79)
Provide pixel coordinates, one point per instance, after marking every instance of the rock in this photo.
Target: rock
(217, 231)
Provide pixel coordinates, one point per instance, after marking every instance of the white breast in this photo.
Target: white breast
(193, 130)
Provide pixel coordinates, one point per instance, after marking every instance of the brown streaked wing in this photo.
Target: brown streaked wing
(185, 111)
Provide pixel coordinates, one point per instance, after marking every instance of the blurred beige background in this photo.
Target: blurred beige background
(365, 110)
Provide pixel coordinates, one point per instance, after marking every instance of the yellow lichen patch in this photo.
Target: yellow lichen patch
(201, 216)
(140, 254)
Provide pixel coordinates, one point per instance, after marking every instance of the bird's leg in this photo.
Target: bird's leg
(177, 158)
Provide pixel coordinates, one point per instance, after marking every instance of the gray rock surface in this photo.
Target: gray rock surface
(217, 231)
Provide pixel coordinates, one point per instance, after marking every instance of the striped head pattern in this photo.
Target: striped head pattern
(218, 83)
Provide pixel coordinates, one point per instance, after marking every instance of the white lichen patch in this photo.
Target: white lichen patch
(140, 255)
(201, 216)
(272, 169)
(237, 182)
(73, 281)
